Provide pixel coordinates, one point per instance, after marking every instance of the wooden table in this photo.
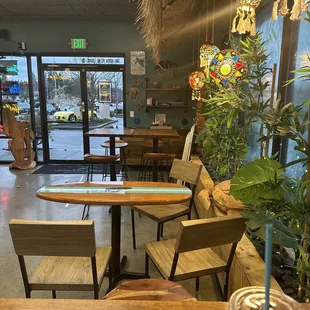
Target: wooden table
(151, 133)
(124, 193)
(68, 304)
(155, 134)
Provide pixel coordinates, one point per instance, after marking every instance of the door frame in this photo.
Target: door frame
(83, 69)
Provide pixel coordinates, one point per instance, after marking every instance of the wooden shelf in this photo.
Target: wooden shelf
(165, 89)
(164, 107)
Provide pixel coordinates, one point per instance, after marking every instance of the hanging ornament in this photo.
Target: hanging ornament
(284, 10)
(227, 68)
(207, 53)
(244, 20)
(299, 7)
(281, 7)
(196, 82)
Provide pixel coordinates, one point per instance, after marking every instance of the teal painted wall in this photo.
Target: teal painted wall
(107, 37)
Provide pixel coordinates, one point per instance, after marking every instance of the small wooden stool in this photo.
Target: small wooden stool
(150, 289)
(162, 159)
(96, 159)
(119, 144)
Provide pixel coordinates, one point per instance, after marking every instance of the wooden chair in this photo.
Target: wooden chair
(183, 171)
(71, 260)
(190, 254)
(150, 289)
(188, 144)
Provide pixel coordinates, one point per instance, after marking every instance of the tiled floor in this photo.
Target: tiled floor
(18, 200)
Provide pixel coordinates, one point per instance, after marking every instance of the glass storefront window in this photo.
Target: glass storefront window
(84, 60)
(271, 32)
(15, 88)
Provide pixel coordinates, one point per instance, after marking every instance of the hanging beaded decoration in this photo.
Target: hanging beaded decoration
(196, 82)
(298, 8)
(227, 68)
(207, 52)
(244, 20)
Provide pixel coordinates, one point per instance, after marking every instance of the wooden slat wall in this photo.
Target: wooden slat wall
(247, 267)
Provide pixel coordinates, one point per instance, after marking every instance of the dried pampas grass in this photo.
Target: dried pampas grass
(163, 23)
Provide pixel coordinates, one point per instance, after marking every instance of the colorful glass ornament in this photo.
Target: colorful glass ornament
(244, 20)
(227, 68)
(196, 82)
(207, 52)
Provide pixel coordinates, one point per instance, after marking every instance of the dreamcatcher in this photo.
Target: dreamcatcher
(196, 82)
(281, 7)
(227, 68)
(244, 20)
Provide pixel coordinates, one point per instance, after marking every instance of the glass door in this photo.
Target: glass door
(63, 107)
(105, 102)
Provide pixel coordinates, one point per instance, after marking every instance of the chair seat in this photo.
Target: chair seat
(162, 213)
(190, 264)
(67, 273)
(118, 144)
(101, 159)
(150, 289)
(159, 156)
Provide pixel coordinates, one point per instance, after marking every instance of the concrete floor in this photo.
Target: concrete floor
(18, 200)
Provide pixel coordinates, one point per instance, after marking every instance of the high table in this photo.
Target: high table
(152, 133)
(155, 134)
(124, 193)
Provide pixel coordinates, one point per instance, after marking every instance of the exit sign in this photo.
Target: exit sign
(77, 44)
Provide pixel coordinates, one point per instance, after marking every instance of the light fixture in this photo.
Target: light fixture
(196, 82)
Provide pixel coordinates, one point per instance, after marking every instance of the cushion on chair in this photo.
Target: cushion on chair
(67, 273)
(150, 289)
(118, 144)
(190, 264)
(161, 213)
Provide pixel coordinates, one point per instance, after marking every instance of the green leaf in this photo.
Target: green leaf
(253, 183)
(282, 235)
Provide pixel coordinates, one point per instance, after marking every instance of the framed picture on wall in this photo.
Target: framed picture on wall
(105, 91)
(137, 62)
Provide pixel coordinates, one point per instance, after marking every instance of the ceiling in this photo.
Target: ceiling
(68, 10)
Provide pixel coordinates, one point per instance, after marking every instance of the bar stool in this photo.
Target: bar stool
(96, 159)
(119, 144)
(164, 161)
(147, 147)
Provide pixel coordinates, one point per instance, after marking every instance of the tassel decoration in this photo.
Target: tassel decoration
(299, 7)
(275, 10)
(245, 20)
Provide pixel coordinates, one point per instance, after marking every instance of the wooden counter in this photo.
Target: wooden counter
(68, 304)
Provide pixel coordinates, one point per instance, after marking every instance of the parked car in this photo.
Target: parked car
(119, 108)
(24, 107)
(69, 115)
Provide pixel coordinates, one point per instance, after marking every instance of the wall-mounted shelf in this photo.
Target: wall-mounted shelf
(165, 107)
(165, 89)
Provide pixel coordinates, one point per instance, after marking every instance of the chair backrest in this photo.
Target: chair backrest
(188, 144)
(185, 171)
(52, 238)
(200, 234)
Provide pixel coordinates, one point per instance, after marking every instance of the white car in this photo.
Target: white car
(24, 107)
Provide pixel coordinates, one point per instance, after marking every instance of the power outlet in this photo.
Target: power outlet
(132, 113)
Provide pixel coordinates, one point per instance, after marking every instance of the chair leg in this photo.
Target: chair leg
(197, 284)
(96, 294)
(88, 172)
(225, 294)
(147, 266)
(158, 231)
(54, 294)
(162, 230)
(133, 229)
(28, 293)
(110, 276)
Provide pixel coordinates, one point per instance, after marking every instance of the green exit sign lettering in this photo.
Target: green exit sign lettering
(78, 44)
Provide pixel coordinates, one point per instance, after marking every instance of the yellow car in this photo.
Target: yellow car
(69, 116)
